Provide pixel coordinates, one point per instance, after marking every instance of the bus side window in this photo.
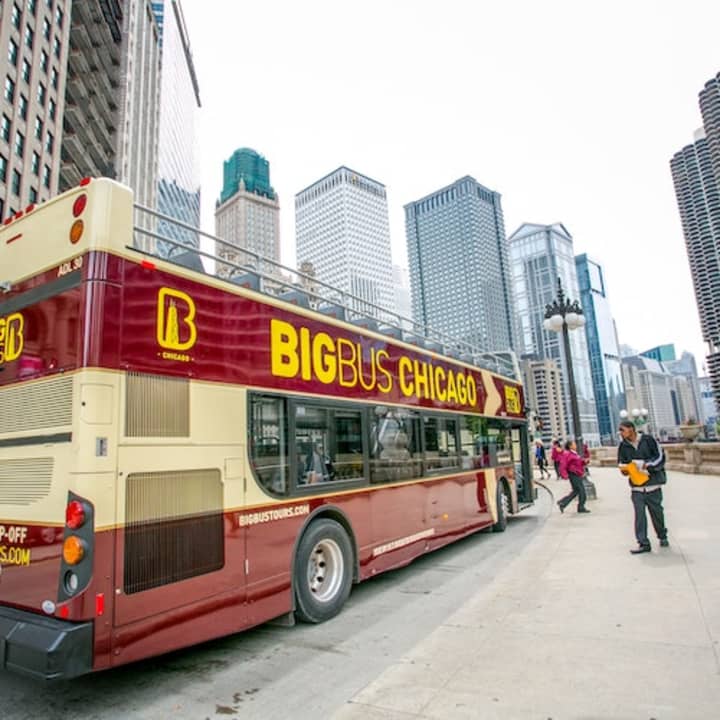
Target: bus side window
(394, 448)
(268, 444)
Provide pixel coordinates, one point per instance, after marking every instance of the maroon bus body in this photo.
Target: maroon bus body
(105, 317)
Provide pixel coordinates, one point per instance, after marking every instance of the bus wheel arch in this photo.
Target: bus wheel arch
(503, 504)
(324, 567)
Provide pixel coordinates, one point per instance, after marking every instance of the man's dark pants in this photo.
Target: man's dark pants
(653, 502)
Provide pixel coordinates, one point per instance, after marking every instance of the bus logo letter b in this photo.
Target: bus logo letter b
(176, 328)
(11, 337)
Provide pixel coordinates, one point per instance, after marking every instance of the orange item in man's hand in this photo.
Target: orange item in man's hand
(634, 470)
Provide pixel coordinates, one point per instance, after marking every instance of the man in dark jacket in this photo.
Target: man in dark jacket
(649, 457)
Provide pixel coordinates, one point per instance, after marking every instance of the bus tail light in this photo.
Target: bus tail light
(75, 514)
(76, 567)
(73, 550)
(79, 205)
(76, 231)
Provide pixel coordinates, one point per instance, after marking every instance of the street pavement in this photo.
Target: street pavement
(576, 627)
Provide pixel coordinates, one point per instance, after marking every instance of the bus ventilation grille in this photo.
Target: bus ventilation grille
(25, 480)
(157, 406)
(36, 405)
(173, 527)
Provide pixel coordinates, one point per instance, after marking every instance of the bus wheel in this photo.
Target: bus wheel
(323, 571)
(502, 500)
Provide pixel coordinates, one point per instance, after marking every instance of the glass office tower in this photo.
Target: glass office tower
(603, 348)
(178, 175)
(459, 267)
(540, 254)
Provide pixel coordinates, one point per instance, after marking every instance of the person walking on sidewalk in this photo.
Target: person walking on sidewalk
(541, 459)
(650, 457)
(555, 455)
(572, 467)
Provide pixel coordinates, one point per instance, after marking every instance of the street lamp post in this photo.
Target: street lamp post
(563, 315)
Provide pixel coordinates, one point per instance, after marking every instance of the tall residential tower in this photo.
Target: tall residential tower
(696, 176)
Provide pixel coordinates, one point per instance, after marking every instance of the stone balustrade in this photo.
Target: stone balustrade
(691, 457)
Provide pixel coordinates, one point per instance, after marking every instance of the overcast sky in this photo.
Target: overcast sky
(571, 110)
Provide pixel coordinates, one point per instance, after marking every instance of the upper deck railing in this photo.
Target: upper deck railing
(244, 267)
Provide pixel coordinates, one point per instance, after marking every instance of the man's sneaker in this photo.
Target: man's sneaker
(561, 506)
(583, 510)
(640, 549)
(664, 542)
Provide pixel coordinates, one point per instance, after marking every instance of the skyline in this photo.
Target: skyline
(571, 115)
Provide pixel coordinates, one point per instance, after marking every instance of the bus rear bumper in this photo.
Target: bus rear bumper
(44, 648)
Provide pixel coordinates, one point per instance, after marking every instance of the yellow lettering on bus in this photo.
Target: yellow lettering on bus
(284, 360)
(451, 389)
(407, 386)
(12, 338)
(349, 363)
(387, 387)
(169, 319)
(305, 354)
(439, 380)
(324, 359)
(471, 390)
(462, 392)
(298, 352)
(11, 555)
(512, 400)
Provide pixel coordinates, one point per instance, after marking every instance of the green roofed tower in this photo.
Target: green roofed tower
(247, 215)
(250, 167)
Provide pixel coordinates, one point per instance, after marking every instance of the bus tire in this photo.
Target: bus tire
(323, 571)
(502, 500)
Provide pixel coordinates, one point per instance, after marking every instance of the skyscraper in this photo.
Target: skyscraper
(178, 183)
(540, 254)
(138, 99)
(342, 228)
(93, 111)
(696, 176)
(603, 349)
(33, 60)
(247, 215)
(459, 268)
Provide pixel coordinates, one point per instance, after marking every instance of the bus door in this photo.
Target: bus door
(177, 547)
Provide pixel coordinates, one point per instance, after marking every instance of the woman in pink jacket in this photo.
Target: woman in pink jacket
(572, 468)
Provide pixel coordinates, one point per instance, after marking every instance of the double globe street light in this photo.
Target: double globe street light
(563, 315)
(639, 417)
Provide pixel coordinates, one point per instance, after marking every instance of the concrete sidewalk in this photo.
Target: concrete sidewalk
(576, 627)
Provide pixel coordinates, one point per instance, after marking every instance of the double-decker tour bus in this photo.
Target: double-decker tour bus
(184, 455)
